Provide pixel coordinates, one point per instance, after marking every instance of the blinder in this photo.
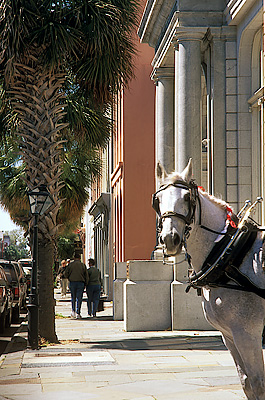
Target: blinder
(155, 204)
(191, 199)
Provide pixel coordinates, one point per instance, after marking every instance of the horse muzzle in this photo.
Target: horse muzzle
(171, 243)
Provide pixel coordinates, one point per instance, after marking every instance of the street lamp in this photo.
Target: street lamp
(40, 201)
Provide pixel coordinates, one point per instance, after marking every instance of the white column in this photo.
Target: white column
(188, 98)
(218, 114)
(164, 123)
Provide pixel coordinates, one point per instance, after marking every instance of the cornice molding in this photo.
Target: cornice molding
(190, 33)
(224, 33)
(154, 19)
(162, 73)
(236, 10)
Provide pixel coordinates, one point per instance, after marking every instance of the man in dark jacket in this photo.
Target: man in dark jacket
(77, 274)
(93, 288)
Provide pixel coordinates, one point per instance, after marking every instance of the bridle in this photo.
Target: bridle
(191, 199)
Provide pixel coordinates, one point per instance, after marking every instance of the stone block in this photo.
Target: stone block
(147, 306)
(231, 121)
(231, 139)
(245, 193)
(231, 68)
(245, 157)
(231, 157)
(231, 86)
(181, 269)
(120, 270)
(118, 296)
(244, 68)
(149, 270)
(245, 122)
(231, 104)
(243, 105)
(245, 175)
(120, 277)
(244, 85)
(232, 176)
(230, 49)
(232, 194)
(187, 311)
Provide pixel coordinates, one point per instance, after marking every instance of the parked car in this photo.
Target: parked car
(22, 283)
(6, 300)
(15, 281)
(26, 264)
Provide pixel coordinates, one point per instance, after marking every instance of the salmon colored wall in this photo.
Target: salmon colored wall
(139, 160)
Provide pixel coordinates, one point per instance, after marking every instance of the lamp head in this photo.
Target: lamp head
(40, 200)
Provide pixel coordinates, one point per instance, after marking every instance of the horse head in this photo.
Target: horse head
(174, 203)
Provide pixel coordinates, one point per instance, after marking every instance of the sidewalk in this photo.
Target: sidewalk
(99, 360)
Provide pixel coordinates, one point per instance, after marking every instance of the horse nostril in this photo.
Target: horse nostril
(176, 239)
(170, 240)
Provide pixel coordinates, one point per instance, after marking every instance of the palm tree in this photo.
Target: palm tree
(79, 168)
(58, 59)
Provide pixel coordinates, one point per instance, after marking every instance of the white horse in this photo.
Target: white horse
(185, 211)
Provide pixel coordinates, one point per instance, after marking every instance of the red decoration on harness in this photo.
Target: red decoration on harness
(202, 188)
(233, 224)
(229, 217)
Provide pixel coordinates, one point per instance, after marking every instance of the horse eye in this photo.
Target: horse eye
(187, 197)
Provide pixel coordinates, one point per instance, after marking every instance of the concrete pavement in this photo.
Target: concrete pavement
(97, 359)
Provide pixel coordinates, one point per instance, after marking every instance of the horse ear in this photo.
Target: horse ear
(160, 171)
(187, 173)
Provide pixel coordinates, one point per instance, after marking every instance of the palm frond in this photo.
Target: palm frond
(87, 123)
(80, 168)
(13, 194)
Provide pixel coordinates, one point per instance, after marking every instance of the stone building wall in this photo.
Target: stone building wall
(211, 53)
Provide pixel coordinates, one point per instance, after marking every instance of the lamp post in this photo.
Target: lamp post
(40, 201)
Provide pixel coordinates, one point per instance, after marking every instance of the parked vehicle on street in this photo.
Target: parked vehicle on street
(6, 300)
(19, 300)
(22, 283)
(26, 264)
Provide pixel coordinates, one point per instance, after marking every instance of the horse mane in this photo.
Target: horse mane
(175, 176)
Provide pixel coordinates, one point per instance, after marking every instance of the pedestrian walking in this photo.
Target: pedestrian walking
(62, 279)
(93, 288)
(77, 274)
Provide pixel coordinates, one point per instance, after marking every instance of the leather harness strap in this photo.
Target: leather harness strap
(227, 267)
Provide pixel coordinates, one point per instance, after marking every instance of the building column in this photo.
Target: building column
(188, 98)
(164, 123)
(218, 113)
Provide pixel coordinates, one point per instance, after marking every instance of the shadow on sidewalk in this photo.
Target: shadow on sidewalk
(10, 342)
(98, 318)
(213, 343)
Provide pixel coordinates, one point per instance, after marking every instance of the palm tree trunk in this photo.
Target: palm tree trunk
(37, 98)
(46, 292)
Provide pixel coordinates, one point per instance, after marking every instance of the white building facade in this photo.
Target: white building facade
(208, 69)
